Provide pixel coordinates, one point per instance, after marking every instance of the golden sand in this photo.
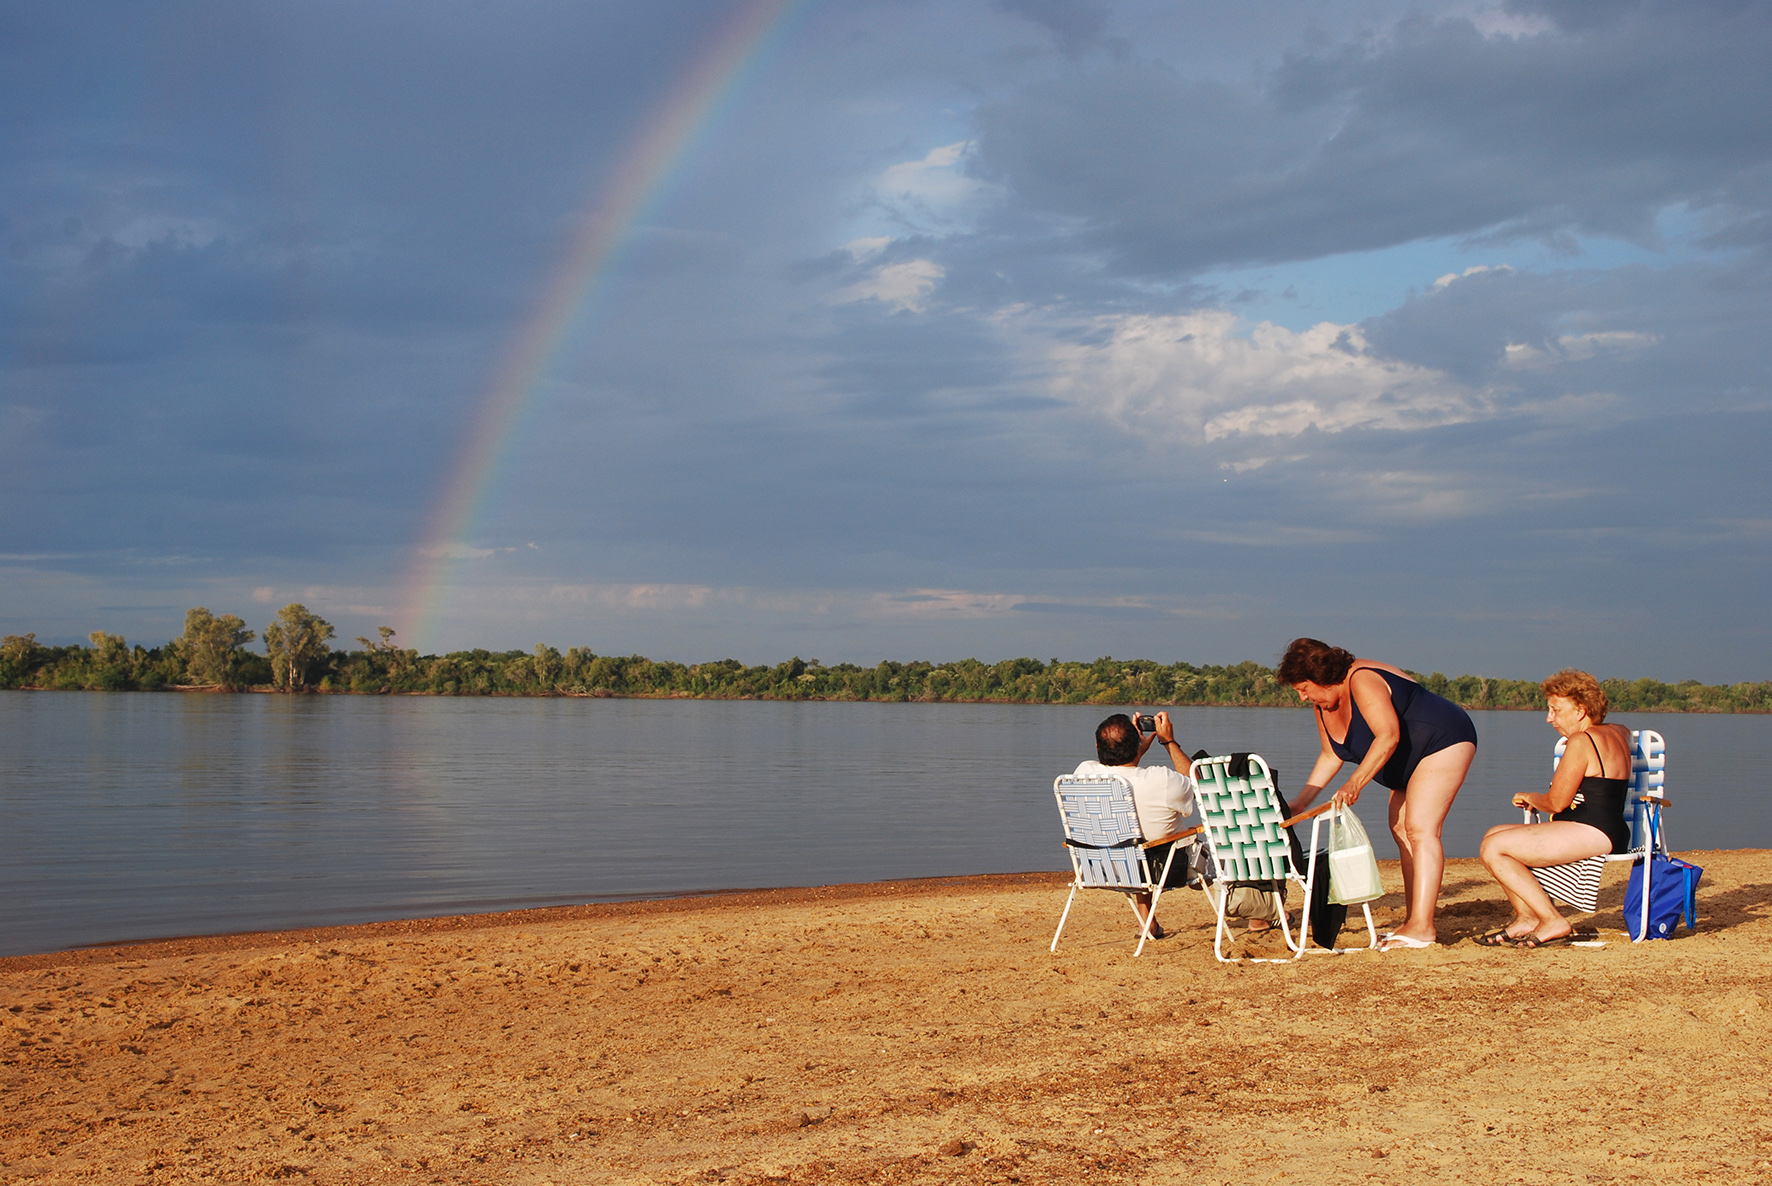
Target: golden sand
(901, 1032)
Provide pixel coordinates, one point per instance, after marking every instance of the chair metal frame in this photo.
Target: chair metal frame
(1107, 846)
(1642, 810)
(1248, 841)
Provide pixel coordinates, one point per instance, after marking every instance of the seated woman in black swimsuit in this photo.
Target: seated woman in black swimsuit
(1586, 805)
(1399, 735)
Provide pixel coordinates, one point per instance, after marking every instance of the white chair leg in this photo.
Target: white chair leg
(1218, 904)
(1643, 922)
(1371, 931)
(1297, 949)
(1062, 917)
(1145, 924)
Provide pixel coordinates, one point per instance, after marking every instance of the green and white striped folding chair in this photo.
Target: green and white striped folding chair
(1107, 846)
(1578, 882)
(1247, 835)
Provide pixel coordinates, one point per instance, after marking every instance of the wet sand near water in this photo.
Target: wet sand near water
(898, 1032)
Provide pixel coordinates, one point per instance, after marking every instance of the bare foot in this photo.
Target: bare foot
(1539, 937)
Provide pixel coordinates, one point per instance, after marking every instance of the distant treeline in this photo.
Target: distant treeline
(212, 654)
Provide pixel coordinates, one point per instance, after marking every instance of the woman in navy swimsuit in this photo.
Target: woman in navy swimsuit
(1399, 735)
(1586, 803)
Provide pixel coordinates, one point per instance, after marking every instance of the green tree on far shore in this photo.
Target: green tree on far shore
(212, 647)
(18, 658)
(297, 642)
(111, 666)
(299, 658)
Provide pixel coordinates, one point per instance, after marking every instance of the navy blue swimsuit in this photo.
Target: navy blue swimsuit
(1429, 724)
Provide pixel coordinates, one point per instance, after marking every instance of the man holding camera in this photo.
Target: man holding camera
(1163, 797)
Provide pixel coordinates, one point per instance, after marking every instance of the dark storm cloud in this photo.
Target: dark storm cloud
(853, 379)
(1076, 25)
(1433, 130)
(1645, 334)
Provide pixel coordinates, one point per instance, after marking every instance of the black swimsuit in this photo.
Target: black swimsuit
(1429, 725)
(1600, 804)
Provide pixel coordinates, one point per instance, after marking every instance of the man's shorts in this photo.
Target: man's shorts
(1181, 870)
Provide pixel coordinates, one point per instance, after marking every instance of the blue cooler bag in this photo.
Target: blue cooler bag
(1673, 889)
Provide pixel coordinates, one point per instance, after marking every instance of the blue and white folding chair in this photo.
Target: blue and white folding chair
(1578, 882)
(1108, 849)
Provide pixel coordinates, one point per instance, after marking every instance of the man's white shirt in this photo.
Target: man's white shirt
(1162, 797)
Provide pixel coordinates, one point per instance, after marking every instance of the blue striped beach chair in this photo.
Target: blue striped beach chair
(1107, 846)
(1247, 835)
(1578, 882)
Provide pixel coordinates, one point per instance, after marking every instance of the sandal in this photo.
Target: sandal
(1533, 942)
(1498, 939)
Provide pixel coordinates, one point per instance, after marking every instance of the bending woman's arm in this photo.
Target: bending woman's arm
(1321, 772)
(1373, 696)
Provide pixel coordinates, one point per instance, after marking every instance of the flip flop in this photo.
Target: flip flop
(1404, 941)
(1533, 942)
(1498, 939)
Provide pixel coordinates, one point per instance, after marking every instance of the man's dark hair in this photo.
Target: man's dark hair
(1116, 741)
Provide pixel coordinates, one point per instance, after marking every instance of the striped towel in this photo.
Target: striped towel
(1577, 883)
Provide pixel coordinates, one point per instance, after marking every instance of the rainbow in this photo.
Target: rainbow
(636, 189)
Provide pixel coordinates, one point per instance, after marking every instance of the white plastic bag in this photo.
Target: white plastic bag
(1353, 867)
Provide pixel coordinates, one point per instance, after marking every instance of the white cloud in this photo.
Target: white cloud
(1191, 376)
(1405, 495)
(931, 179)
(1473, 270)
(458, 552)
(1499, 22)
(902, 286)
(862, 250)
(939, 603)
(1578, 348)
(934, 195)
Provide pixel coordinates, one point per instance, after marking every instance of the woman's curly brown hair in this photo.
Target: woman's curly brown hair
(1318, 662)
(1581, 688)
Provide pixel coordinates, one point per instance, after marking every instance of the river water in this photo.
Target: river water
(141, 815)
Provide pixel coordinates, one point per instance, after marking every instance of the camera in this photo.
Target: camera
(1145, 723)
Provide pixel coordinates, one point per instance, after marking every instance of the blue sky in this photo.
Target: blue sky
(983, 328)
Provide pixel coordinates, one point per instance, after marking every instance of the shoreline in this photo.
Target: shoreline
(266, 690)
(180, 946)
(892, 1033)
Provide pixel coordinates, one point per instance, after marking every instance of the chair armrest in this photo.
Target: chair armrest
(1313, 813)
(1178, 836)
(1657, 799)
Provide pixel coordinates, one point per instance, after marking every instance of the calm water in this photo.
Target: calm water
(128, 816)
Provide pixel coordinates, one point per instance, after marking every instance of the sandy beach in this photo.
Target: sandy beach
(898, 1032)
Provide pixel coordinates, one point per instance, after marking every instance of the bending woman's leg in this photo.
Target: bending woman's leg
(1510, 854)
(1431, 790)
(1404, 857)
